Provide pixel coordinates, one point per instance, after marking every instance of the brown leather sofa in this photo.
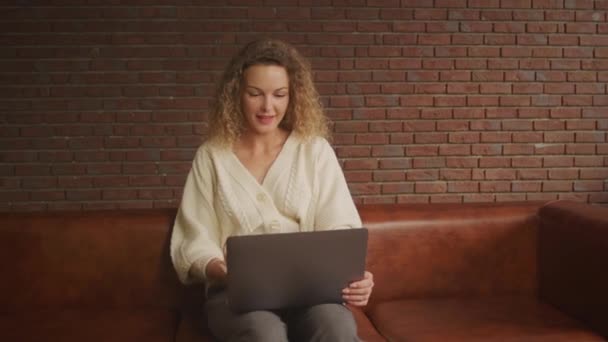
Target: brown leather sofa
(444, 272)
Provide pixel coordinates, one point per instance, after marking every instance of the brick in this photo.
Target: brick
(594, 173)
(565, 112)
(430, 14)
(484, 51)
(549, 149)
(430, 187)
(462, 88)
(397, 188)
(412, 199)
(558, 161)
(587, 88)
(588, 161)
(381, 176)
(590, 137)
(546, 100)
(416, 100)
(518, 149)
(401, 138)
(474, 198)
(553, 137)
(500, 174)
(501, 113)
(430, 138)
(468, 113)
(450, 101)
(483, 101)
(589, 185)
(360, 164)
(525, 162)
(471, 64)
(486, 149)
(83, 195)
(527, 137)
(580, 149)
(371, 139)
(463, 187)
(526, 186)
(452, 125)
(558, 174)
(598, 197)
(493, 137)
(552, 186)
(510, 197)
(452, 150)
(421, 150)
(533, 112)
(379, 200)
(527, 88)
(532, 174)
(462, 162)
(428, 162)
(495, 162)
(446, 198)
(495, 186)
(387, 151)
(455, 174)
(365, 189)
(467, 138)
(392, 163)
(549, 125)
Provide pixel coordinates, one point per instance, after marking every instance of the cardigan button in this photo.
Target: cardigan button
(261, 197)
(275, 225)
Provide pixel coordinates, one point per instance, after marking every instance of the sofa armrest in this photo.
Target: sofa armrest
(573, 261)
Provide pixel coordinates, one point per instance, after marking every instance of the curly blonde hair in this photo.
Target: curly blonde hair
(304, 115)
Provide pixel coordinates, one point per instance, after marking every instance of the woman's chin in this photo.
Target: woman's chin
(263, 129)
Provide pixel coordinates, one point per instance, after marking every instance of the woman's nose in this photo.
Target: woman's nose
(267, 103)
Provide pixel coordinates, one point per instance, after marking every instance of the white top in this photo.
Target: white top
(303, 190)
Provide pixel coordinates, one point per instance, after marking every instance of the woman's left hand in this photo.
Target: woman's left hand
(358, 292)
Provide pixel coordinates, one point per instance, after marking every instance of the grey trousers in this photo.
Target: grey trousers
(325, 322)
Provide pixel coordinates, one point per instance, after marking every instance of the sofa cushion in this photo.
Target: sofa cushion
(365, 329)
(89, 325)
(519, 318)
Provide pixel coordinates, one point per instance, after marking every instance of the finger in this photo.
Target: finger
(357, 291)
(357, 303)
(355, 298)
(365, 283)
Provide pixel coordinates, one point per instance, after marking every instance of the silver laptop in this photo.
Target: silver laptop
(276, 271)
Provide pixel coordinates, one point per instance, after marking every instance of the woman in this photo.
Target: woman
(265, 168)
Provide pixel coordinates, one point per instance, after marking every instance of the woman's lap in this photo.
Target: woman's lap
(324, 322)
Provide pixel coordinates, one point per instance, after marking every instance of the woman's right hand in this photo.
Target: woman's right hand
(217, 272)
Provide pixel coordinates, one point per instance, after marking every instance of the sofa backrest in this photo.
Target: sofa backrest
(573, 261)
(451, 249)
(112, 259)
(104, 259)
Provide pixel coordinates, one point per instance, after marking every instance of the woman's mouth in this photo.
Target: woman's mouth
(265, 119)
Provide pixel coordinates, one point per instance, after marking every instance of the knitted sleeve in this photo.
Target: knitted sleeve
(334, 207)
(195, 231)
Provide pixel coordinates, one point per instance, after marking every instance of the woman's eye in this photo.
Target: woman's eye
(253, 94)
(281, 95)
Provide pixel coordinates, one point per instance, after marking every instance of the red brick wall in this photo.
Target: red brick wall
(102, 106)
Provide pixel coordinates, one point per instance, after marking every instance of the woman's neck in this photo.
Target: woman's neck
(262, 143)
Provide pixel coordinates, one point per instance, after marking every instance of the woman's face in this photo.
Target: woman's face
(264, 97)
